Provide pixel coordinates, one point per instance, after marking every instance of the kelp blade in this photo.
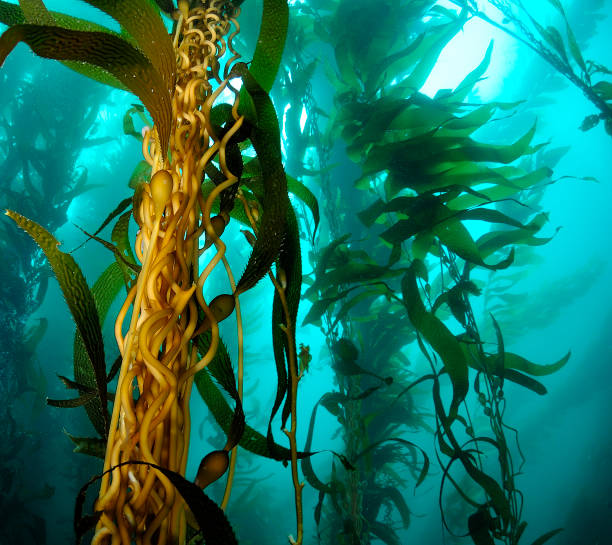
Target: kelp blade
(82, 307)
(107, 51)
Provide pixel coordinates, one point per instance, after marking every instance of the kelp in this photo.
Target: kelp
(558, 47)
(382, 290)
(431, 180)
(144, 60)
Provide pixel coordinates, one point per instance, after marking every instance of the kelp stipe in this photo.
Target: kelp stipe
(194, 165)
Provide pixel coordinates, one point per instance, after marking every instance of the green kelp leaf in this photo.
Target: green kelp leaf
(554, 38)
(283, 339)
(575, 48)
(393, 495)
(384, 532)
(421, 244)
(125, 257)
(251, 440)
(516, 368)
(11, 14)
(83, 309)
(307, 197)
(471, 121)
(326, 254)
(454, 298)
(508, 182)
(345, 349)
(388, 64)
(271, 43)
(497, 153)
(112, 248)
(455, 236)
(589, 122)
(374, 289)
(307, 468)
(426, 213)
(266, 141)
(36, 12)
(142, 21)
(267, 55)
(465, 87)
(354, 273)
(221, 369)
(514, 361)
(426, 56)
(107, 51)
(405, 442)
(544, 538)
(104, 291)
(140, 174)
(525, 381)
(439, 337)
(557, 4)
(118, 210)
(92, 446)
(495, 240)
(72, 403)
(129, 129)
(318, 308)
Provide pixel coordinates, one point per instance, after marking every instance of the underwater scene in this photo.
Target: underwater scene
(308, 272)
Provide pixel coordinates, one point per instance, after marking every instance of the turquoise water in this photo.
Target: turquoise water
(557, 297)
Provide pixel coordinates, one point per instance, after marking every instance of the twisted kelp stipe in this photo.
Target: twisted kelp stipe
(150, 420)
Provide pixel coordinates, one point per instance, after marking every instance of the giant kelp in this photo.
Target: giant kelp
(173, 332)
(423, 178)
(559, 47)
(401, 285)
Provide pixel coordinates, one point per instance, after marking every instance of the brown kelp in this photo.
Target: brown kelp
(171, 331)
(558, 46)
(395, 298)
(422, 178)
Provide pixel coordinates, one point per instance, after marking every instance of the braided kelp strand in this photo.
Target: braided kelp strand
(150, 421)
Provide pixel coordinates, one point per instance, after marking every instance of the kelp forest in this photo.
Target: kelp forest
(305, 272)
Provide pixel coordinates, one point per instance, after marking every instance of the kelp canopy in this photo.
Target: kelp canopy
(392, 276)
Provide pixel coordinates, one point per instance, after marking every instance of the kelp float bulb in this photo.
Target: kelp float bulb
(161, 189)
(218, 224)
(221, 307)
(212, 467)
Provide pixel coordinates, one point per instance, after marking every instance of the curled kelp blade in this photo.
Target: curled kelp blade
(295, 187)
(11, 14)
(141, 19)
(92, 367)
(289, 268)
(113, 54)
(214, 526)
(92, 446)
(268, 52)
(265, 138)
(232, 422)
(271, 42)
(104, 292)
(438, 336)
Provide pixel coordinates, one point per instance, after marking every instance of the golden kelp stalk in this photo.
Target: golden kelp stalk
(165, 330)
(150, 420)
